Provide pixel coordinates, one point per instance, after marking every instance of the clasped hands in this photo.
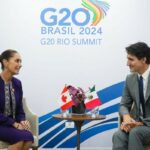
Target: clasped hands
(23, 125)
(129, 123)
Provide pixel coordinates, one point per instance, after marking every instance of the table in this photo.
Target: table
(78, 119)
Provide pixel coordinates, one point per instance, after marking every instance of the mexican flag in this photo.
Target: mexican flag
(66, 101)
(92, 99)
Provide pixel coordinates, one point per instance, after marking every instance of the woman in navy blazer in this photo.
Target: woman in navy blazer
(14, 128)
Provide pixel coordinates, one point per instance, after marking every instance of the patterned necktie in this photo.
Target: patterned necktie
(141, 94)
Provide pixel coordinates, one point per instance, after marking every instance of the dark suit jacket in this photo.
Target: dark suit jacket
(20, 115)
(131, 96)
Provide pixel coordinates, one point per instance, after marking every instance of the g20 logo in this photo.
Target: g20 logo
(65, 17)
(51, 17)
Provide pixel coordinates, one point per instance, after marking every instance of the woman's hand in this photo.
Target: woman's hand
(18, 126)
(25, 124)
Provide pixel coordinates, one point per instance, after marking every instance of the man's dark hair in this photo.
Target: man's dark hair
(140, 50)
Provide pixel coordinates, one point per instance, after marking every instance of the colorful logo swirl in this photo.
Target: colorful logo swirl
(98, 8)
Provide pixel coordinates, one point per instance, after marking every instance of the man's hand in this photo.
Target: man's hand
(127, 119)
(127, 126)
(129, 123)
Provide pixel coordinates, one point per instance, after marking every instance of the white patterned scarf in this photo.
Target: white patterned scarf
(10, 102)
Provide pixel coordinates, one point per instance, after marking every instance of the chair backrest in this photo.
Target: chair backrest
(33, 119)
(3, 145)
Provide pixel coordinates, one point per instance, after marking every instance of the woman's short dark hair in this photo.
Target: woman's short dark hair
(7, 54)
(140, 50)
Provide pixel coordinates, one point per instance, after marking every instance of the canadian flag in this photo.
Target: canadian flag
(66, 101)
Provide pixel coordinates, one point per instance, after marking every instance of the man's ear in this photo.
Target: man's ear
(144, 59)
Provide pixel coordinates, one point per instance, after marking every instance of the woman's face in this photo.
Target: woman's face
(13, 64)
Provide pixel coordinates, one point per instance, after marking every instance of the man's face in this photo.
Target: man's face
(135, 64)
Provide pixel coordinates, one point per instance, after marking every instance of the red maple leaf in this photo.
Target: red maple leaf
(64, 98)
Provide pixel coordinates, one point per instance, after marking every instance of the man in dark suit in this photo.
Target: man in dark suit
(134, 131)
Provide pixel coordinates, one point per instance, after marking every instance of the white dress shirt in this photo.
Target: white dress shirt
(145, 76)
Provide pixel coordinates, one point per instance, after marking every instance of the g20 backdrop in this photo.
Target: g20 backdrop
(74, 42)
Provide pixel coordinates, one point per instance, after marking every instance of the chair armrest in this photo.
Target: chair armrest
(31, 117)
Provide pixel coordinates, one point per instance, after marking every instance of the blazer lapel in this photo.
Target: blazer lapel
(135, 89)
(148, 89)
(2, 95)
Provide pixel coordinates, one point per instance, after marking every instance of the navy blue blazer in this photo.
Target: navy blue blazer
(20, 115)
